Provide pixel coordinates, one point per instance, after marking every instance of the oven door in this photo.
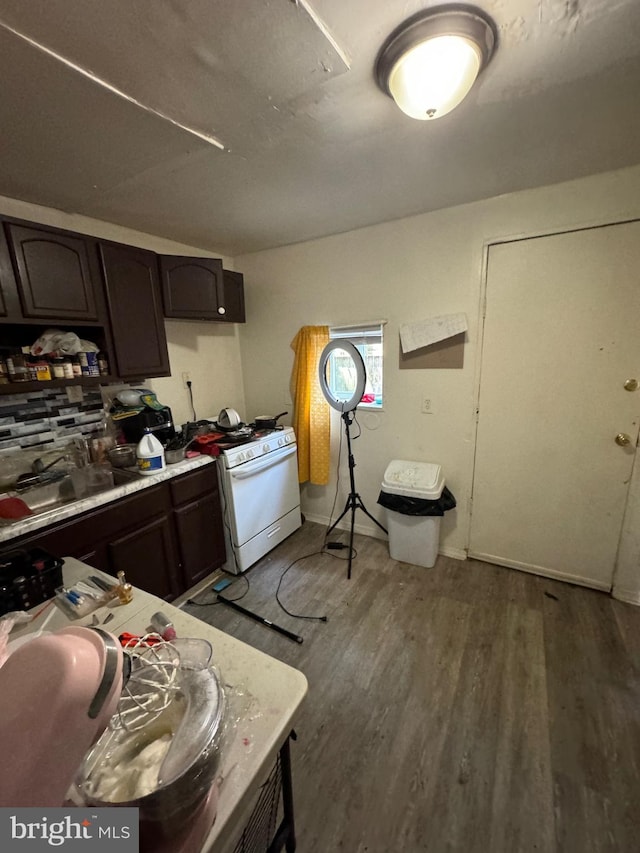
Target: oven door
(261, 492)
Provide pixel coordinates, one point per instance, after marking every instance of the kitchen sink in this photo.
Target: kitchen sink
(47, 496)
(78, 484)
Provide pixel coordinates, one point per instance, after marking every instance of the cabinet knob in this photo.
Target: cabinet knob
(222, 310)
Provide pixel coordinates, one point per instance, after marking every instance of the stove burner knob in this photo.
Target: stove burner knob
(287, 439)
(265, 448)
(240, 457)
(280, 442)
(249, 454)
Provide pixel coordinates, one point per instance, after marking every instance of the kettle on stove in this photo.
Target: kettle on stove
(229, 419)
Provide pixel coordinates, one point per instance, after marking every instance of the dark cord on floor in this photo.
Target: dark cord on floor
(305, 557)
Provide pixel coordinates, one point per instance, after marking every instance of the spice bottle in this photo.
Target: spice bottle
(103, 363)
(75, 366)
(31, 367)
(17, 367)
(58, 367)
(43, 371)
(67, 368)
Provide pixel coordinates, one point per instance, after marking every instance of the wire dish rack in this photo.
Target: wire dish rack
(271, 825)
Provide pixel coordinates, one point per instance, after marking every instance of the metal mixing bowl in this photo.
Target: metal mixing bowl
(122, 455)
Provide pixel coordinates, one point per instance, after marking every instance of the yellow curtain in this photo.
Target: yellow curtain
(311, 412)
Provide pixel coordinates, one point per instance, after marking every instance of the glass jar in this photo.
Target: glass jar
(31, 367)
(67, 368)
(75, 366)
(17, 367)
(4, 373)
(43, 371)
(103, 364)
(58, 368)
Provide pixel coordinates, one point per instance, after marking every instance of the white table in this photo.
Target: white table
(272, 693)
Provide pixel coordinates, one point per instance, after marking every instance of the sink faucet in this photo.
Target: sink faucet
(39, 467)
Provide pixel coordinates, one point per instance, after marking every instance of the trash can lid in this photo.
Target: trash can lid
(413, 479)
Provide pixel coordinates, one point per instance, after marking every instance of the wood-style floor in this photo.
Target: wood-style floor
(464, 708)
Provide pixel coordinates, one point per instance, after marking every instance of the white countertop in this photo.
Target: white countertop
(271, 693)
(73, 508)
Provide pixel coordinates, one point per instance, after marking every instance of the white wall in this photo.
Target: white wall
(209, 351)
(402, 271)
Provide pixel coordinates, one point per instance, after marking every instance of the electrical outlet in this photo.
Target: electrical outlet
(186, 377)
(426, 406)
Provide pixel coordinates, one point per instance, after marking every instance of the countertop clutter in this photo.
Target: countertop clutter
(263, 696)
(77, 507)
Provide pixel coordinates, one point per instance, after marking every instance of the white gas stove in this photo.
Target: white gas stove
(260, 495)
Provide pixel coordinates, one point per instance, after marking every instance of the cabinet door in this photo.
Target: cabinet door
(147, 557)
(201, 537)
(55, 277)
(234, 297)
(133, 295)
(9, 303)
(192, 288)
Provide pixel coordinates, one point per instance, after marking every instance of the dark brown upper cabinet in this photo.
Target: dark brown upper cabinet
(234, 296)
(135, 309)
(8, 294)
(56, 274)
(196, 289)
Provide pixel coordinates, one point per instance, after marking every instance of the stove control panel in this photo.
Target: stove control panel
(233, 456)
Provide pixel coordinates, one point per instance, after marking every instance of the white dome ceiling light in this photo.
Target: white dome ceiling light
(431, 61)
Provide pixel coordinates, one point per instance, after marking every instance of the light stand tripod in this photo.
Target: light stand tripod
(354, 501)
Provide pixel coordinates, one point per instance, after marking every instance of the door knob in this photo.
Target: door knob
(631, 385)
(623, 439)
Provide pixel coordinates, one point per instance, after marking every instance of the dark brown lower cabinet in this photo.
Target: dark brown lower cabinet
(165, 537)
(147, 556)
(201, 538)
(198, 521)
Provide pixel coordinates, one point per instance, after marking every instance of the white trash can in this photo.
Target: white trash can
(413, 538)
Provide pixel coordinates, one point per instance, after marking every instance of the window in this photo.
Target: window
(368, 341)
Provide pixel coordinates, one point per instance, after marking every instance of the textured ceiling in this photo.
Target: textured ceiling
(239, 125)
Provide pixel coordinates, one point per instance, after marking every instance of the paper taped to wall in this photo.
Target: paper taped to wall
(426, 332)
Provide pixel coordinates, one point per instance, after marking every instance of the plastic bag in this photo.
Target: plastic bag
(418, 506)
(65, 343)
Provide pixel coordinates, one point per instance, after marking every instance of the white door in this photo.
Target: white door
(561, 337)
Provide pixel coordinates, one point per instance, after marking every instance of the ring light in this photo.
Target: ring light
(354, 501)
(360, 375)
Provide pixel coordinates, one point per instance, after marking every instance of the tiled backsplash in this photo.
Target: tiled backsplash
(47, 418)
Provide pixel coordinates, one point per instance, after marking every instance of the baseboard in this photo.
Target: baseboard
(629, 596)
(454, 553)
(364, 530)
(540, 570)
(376, 533)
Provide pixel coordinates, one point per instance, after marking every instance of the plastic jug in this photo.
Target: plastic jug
(150, 455)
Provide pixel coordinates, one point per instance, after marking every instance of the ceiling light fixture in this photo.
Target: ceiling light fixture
(430, 62)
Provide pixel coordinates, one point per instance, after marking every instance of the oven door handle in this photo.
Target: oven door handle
(251, 468)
